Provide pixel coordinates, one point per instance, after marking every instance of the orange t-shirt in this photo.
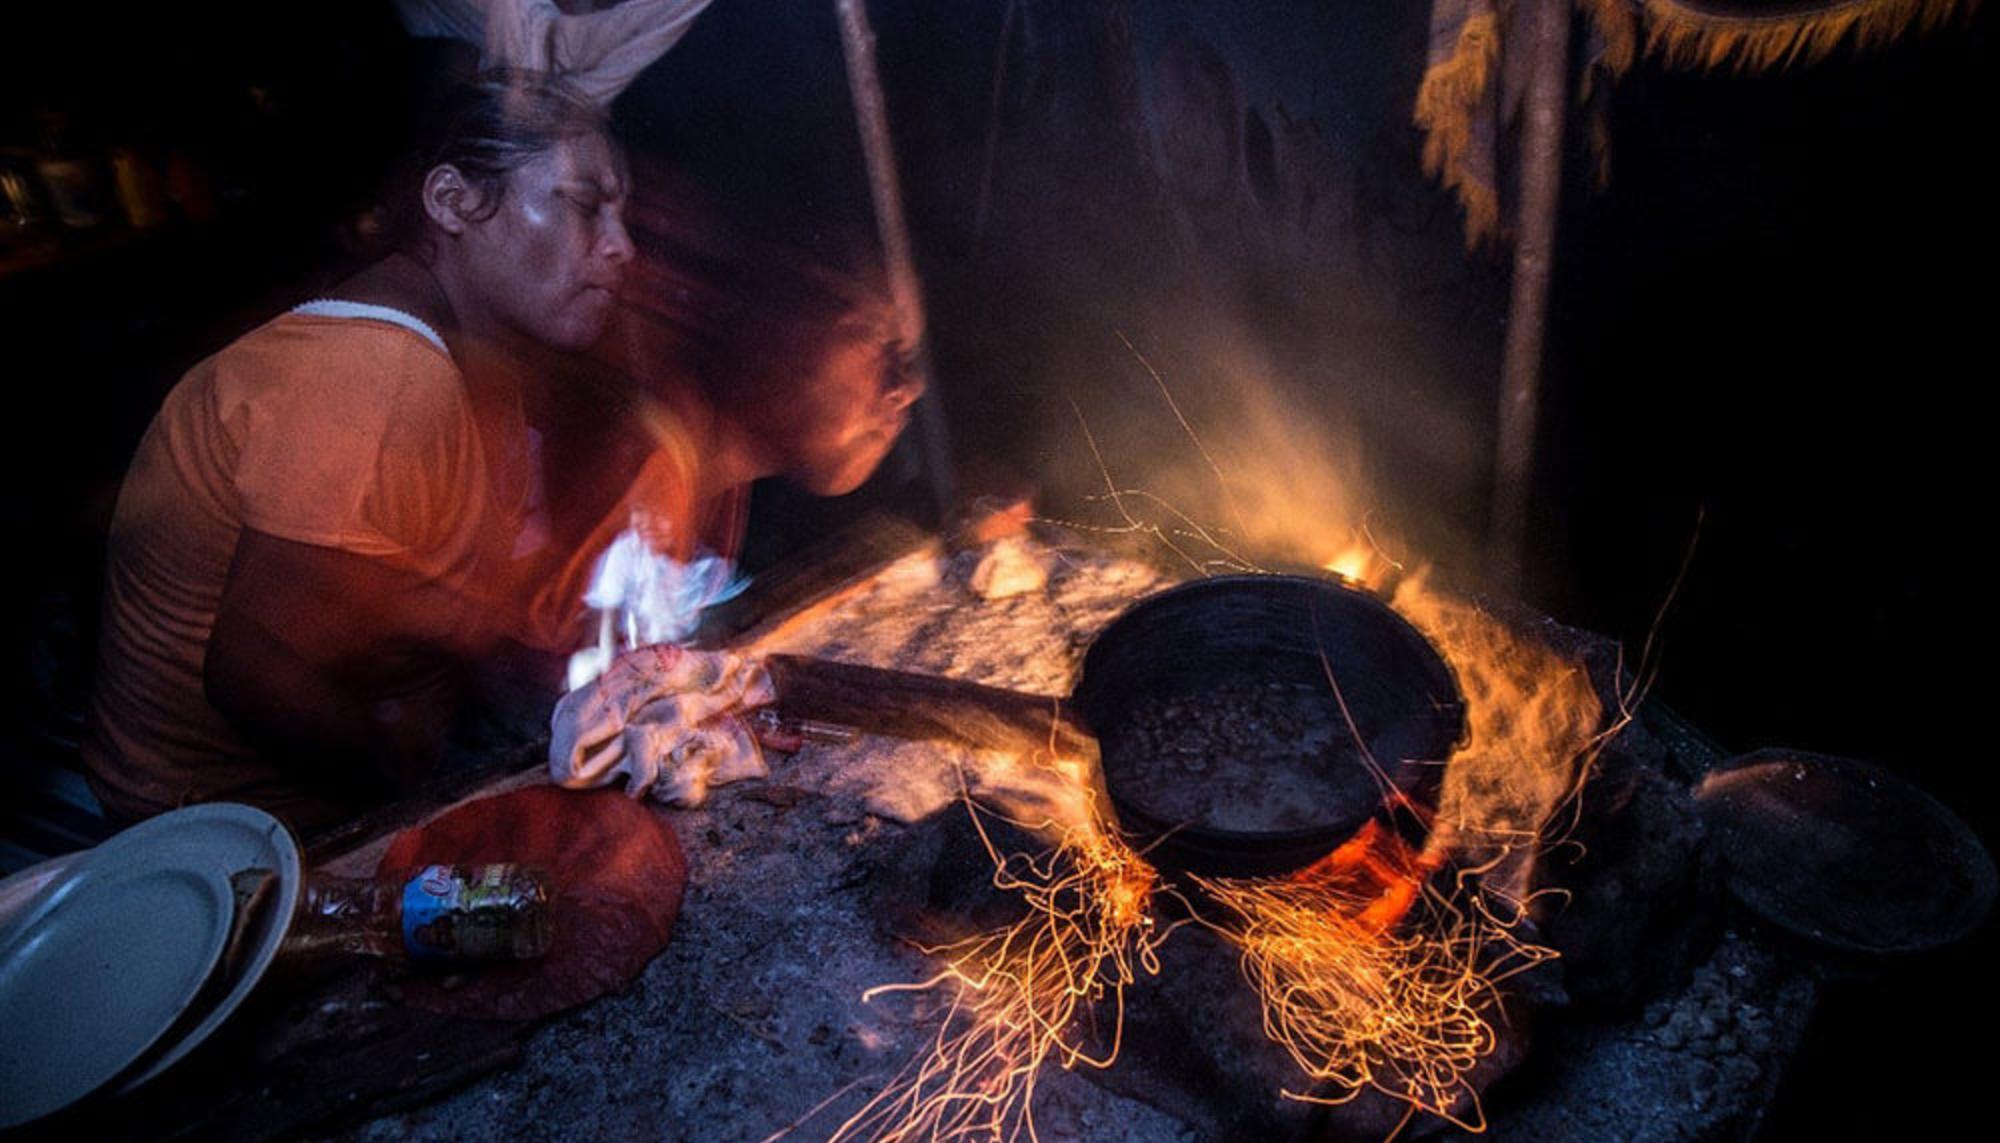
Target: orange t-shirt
(341, 432)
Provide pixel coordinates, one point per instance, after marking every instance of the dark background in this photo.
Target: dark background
(1775, 318)
(1771, 321)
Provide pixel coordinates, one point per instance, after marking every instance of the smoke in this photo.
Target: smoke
(1235, 457)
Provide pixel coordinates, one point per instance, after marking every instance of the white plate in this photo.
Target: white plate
(224, 838)
(20, 889)
(204, 845)
(93, 969)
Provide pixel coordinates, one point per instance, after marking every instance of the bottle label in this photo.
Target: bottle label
(430, 907)
(476, 912)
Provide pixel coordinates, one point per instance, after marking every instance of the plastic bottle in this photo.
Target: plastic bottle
(439, 913)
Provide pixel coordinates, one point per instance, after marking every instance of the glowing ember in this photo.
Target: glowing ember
(1352, 565)
(1361, 562)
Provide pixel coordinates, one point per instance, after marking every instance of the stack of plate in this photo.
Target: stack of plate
(112, 961)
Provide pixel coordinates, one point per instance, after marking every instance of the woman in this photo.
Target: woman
(334, 515)
(305, 543)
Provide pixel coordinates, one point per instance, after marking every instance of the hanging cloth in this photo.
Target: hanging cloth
(599, 53)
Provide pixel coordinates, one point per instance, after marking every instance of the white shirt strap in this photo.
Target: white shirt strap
(334, 308)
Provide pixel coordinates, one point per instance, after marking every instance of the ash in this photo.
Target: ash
(1700, 1063)
(807, 889)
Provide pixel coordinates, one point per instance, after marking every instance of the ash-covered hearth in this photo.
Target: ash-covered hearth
(895, 939)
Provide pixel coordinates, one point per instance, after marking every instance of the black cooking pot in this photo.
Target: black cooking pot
(1392, 696)
(1320, 643)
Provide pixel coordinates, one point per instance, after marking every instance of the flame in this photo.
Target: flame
(1361, 563)
(1377, 968)
(1370, 975)
(1533, 723)
(1350, 565)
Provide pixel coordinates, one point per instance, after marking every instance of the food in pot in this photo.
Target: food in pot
(1245, 756)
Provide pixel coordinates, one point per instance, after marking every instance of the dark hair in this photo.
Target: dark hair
(715, 302)
(777, 307)
(485, 127)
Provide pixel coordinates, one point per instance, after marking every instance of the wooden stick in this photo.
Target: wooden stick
(1527, 309)
(871, 117)
(906, 705)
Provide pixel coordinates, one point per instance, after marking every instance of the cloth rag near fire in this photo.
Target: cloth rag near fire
(665, 719)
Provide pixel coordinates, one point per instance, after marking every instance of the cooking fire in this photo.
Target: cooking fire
(1378, 967)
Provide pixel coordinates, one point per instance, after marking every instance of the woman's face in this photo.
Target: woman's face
(547, 263)
(845, 414)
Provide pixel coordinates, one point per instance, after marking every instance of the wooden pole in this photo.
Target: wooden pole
(871, 117)
(1527, 311)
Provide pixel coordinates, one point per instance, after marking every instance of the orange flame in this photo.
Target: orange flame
(1533, 722)
(1358, 1000)
(1358, 563)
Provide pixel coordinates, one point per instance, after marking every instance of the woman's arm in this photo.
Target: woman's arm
(338, 667)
